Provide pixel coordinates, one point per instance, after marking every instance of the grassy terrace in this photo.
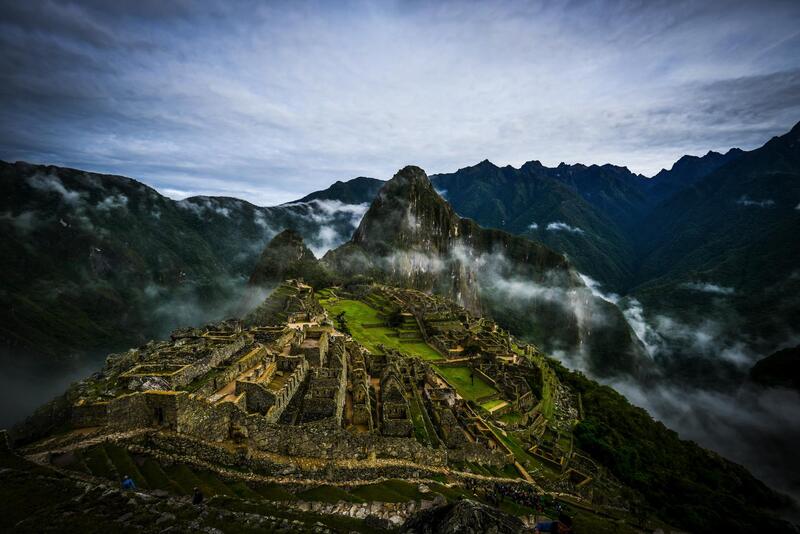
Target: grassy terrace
(358, 314)
(459, 378)
(492, 404)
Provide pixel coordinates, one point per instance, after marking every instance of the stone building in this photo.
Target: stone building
(395, 412)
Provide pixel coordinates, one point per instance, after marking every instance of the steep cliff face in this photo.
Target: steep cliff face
(411, 237)
(408, 237)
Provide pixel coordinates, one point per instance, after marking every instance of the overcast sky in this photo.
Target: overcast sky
(269, 101)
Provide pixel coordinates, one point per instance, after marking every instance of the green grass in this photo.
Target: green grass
(240, 489)
(510, 507)
(185, 479)
(98, 463)
(451, 493)
(336, 522)
(511, 418)
(124, 464)
(420, 429)
(491, 404)
(274, 492)
(459, 379)
(388, 491)
(212, 481)
(328, 494)
(156, 478)
(358, 313)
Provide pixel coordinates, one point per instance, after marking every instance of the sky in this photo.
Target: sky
(268, 101)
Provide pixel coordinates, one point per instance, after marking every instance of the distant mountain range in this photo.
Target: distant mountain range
(93, 262)
(710, 245)
(97, 261)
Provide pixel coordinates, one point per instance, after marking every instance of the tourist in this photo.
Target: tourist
(128, 483)
(197, 498)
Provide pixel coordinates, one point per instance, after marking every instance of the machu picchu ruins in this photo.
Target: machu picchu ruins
(343, 386)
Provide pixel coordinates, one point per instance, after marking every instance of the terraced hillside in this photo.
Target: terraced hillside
(364, 406)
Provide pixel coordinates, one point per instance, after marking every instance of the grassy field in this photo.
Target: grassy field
(491, 404)
(459, 379)
(358, 314)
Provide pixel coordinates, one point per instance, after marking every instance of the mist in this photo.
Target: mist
(754, 426)
(26, 384)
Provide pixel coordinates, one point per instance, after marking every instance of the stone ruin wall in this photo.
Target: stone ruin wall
(326, 440)
(91, 414)
(227, 376)
(257, 397)
(284, 396)
(194, 416)
(320, 406)
(198, 417)
(205, 365)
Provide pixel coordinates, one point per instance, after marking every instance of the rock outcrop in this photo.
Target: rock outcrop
(285, 257)
(463, 517)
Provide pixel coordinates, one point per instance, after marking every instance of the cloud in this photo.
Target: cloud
(53, 184)
(594, 286)
(744, 200)
(114, 202)
(335, 220)
(200, 206)
(562, 226)
(651, 339)
(533, 226)
(25, 222)
(314, 95)
(261, 220)
(706, 287)
(752, 426)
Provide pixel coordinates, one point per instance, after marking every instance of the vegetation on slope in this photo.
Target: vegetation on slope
(691, 487)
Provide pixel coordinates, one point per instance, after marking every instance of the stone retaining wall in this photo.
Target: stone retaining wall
(86, 415)
(216, 357)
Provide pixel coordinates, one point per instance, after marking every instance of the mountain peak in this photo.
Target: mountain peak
(359, 190)
(411, 173)
(407, 209)
(286, 256)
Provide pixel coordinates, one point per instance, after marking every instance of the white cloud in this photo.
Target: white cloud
(112, 202)
(53, 184)
(533, 226)
(25, 222)
(201, 205)
(706, 287)
(594, 286)
(336, 221)
(314, 95)
(562, 226)
(744, 200)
